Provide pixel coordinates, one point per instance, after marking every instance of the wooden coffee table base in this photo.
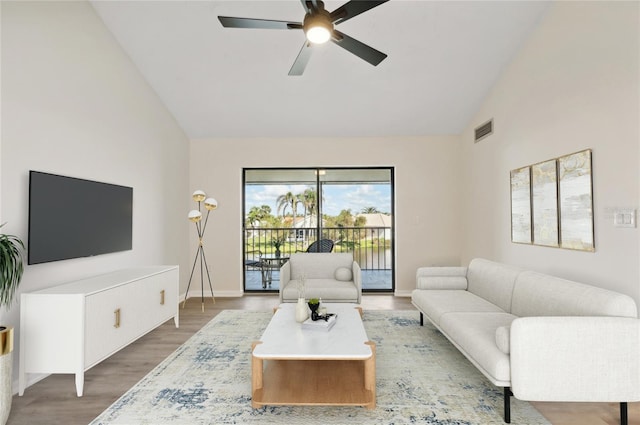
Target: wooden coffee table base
(314, 382)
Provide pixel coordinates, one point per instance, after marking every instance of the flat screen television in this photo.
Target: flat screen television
(72, 218)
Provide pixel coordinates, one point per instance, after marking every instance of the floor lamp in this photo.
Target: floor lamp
(196, 217)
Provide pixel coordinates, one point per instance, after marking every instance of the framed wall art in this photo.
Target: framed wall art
(544, 203)
(521, 205)
(575, 199)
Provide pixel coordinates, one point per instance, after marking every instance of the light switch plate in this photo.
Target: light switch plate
(624, 218)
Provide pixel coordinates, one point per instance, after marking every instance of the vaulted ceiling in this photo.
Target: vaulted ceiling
(443, 59)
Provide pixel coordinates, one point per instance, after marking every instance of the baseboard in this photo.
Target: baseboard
(238, 294)
(207, 294)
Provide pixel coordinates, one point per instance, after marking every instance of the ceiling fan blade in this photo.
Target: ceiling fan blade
(353, 8)
(307, 6)
(301, 61)
(364, 52)
(231, 22)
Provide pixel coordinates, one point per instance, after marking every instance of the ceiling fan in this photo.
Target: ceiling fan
(318, 26)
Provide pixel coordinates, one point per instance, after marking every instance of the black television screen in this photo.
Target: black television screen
(71, 218)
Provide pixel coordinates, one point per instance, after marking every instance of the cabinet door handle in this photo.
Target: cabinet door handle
(162, 297)
(117, 313)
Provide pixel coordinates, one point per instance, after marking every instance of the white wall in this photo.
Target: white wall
(427, 195)
(574, 85)
(74, 104)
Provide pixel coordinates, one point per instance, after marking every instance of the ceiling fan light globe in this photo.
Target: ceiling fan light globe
(317, 26)
(318, 35)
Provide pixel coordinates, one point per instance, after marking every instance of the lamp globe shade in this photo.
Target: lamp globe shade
(210, 204)
(199, 196)
(195, 216)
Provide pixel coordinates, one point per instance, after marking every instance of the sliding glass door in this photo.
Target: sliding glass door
(288, 210)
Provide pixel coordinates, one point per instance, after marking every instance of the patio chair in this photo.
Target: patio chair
(322, 245)
(253, 261)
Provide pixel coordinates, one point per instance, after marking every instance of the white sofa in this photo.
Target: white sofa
(540, 337)
(334, 277)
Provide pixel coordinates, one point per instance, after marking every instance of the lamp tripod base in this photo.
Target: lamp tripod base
(184, 302)
(203, 267)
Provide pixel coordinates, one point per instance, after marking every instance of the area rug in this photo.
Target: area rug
(421, 379)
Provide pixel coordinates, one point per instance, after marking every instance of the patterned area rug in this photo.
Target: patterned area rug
(421, 379)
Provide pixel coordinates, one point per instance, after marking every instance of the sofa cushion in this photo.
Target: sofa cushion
(537, 294)
(315, 265)
(600, 359)
(343, 274)
(503, 339)
(492, 281)
(435, 303)
(441, 278)
(474, 334)
(330, 290)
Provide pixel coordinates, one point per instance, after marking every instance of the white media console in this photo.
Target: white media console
(70, 328)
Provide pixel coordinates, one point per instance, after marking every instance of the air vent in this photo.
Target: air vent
(484, 130)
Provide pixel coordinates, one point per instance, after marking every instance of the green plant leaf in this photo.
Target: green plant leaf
(11, 267)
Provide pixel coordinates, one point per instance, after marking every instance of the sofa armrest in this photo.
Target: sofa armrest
(583, 359)
(441, 278)
(285, 277)
(357, 279)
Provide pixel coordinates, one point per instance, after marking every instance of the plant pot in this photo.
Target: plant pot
(6, 372)
(314, 311)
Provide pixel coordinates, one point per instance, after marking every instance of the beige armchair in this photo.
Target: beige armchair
(334, 277)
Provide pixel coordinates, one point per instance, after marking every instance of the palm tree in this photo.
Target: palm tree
(370, 210)
(283, 201)
(309, 201)
(257, 214)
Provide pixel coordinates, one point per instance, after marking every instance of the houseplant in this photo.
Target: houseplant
(277, 243)
(11, 269)
(314, 304)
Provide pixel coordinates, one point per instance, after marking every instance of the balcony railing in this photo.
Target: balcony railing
(371, 246)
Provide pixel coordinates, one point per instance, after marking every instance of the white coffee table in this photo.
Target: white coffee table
(295, 366)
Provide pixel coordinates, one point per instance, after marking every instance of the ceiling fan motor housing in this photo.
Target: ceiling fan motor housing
(320, 21)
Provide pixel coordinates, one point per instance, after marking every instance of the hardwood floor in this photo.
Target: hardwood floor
(53, 400)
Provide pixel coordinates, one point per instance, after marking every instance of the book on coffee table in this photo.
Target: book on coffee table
(321, 324)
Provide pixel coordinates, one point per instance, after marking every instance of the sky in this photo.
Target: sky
(336, 197)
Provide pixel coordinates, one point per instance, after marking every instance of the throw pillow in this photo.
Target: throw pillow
(503, 334)
(343, 274)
